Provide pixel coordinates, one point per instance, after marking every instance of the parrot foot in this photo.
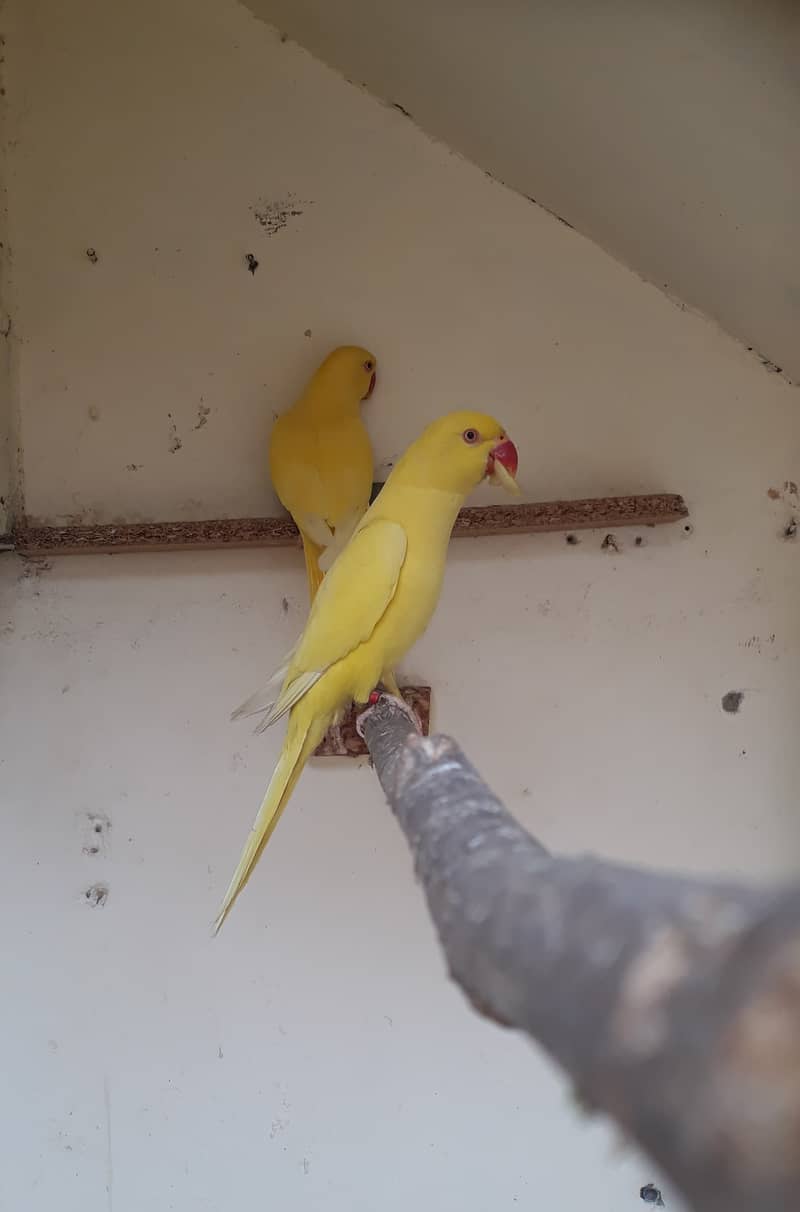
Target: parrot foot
(337, 736)
(375, 698)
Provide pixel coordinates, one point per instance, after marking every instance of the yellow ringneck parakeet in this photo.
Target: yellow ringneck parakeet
(375, 602)
(320, 457)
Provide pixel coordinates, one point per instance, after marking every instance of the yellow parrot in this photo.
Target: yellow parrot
(320, 458)
(375, 602)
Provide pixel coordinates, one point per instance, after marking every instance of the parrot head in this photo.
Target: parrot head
(348, 373)
(462, 448)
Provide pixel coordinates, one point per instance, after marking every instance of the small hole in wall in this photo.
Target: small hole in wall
(573, 540)
(732, 701)
(651, 1195)
(688, 528)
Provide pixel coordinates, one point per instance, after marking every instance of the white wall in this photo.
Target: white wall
(314, 1055)
(667, 132)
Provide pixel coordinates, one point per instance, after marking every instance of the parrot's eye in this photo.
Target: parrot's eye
(369, 365)
(471, 436)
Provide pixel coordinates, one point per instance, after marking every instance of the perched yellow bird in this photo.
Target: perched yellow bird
(320, 457)
(374, 603)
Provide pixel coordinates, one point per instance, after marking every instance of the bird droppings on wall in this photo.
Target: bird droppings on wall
(203, 413)
(651, 1195)
(275, 216)
(754, 642)
(175, 442)
(33, 567)
(92, 255)
(732, 701)
(96, 834)
(610, 543)
(96, 896)
(790, 529)
(779, 494)
(251, 262)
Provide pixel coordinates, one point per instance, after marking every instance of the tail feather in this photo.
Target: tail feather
(313, 571)
(263, 700)
(300, 743)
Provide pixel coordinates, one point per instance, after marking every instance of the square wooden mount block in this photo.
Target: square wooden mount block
(345, 741)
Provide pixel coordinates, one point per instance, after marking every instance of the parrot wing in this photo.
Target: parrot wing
(348, 607)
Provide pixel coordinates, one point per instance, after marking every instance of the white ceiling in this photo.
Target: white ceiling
(668, 131)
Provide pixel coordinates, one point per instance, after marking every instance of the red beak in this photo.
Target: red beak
(504, 452)
(371, 387)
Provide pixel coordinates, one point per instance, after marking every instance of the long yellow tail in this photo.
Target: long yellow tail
(301, 741)
(313, 570)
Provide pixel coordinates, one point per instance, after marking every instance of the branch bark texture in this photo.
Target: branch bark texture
(672, 1003)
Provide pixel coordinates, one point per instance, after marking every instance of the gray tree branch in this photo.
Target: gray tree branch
(672, 1003)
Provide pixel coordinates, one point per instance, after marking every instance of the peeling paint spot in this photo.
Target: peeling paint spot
(274, 216)
(175, 442)
(732, 701)
(94, 413)
(203, 413)
(92, 255)
(285, 605)
(790, 529)
(307, 333)
(610, 543)
(96, 896)
(133, 466)
(774, 494)
(251, 262)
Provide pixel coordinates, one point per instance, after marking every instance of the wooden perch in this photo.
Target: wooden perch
(673, 1003)
(548, 516)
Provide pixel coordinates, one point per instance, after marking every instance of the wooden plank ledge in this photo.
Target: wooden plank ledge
(544, 517)
(345, 741)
